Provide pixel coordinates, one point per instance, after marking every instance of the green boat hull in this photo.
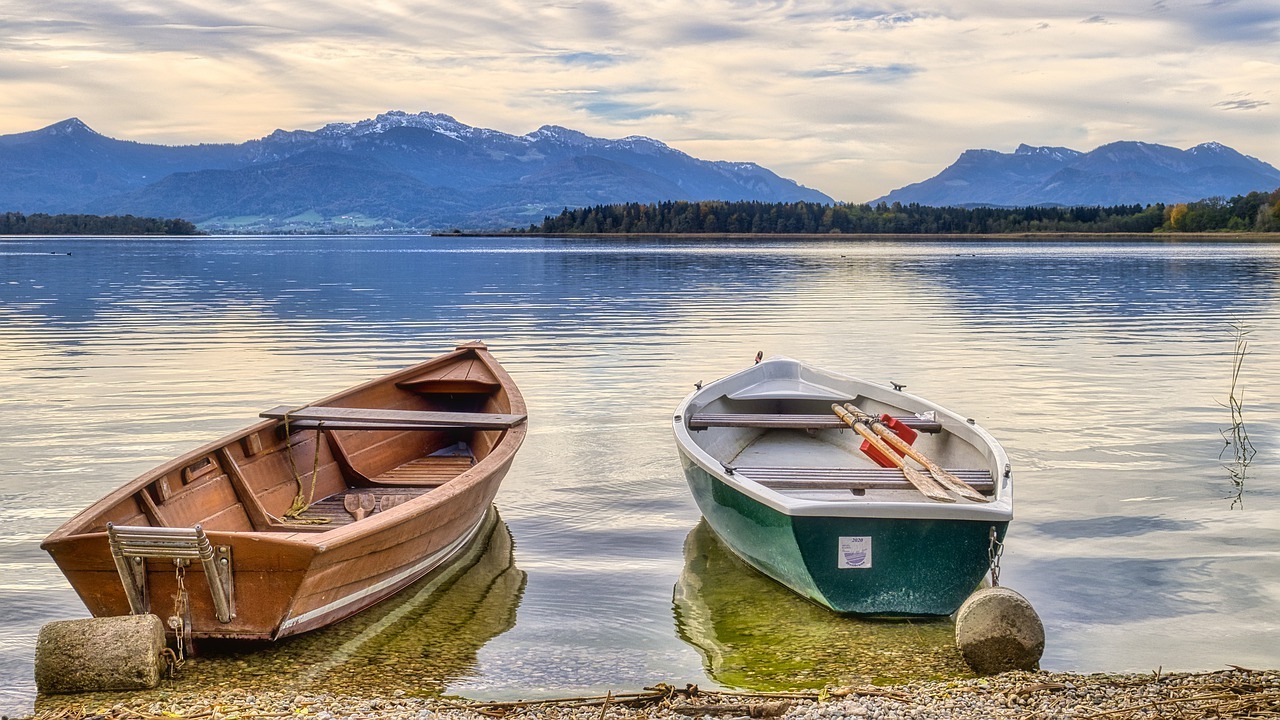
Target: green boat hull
(892, 567)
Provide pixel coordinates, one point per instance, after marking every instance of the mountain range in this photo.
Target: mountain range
(1119, 173)
(427, 171)
(421, 171)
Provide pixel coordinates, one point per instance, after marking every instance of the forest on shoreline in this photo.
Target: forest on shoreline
(1255, 212)
(13, 223)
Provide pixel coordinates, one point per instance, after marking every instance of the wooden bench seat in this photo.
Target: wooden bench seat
(839, 478)
(340, 418)
(701, 421)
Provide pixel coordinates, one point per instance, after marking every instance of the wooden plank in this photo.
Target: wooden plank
(794, 470)
(232, 519)
(340, 456)
(700, 421)
(149, 508)
(376, 419)
(435, 470)
(837, 478)
(332, 507)
(196, 503)
(465, 376)
(248, 498)
(295, 425)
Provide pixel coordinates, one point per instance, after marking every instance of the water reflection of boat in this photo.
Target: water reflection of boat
(421, 641)
(755, 634)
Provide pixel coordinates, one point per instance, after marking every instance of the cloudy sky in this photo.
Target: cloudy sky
(852, 98)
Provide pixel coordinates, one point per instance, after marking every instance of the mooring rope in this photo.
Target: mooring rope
(301, 504)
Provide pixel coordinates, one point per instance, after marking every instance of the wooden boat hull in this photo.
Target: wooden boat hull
(884, 552)
(290, 577)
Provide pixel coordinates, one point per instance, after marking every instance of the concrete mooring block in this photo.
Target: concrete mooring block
(109, 653)
(998, 630)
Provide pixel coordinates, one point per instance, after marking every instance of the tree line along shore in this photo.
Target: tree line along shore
(1255, 212)
(14, 223)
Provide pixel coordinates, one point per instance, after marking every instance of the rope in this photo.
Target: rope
(302, 504)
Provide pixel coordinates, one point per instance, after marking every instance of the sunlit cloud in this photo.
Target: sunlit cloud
(854, 99)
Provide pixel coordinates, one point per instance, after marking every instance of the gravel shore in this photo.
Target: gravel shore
(1234, 693)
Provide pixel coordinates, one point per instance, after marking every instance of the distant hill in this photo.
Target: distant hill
(425, 171)
(1119, 173)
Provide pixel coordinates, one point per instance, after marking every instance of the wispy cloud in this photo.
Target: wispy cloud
(1241, 104)
(585, 59)
(879, 73)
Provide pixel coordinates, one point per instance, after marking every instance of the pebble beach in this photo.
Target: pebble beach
(1231, 693)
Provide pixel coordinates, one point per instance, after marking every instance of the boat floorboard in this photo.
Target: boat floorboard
(410, 480)
(774, 447)
(434, 469)
(333, 508)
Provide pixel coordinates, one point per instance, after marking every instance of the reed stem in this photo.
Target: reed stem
(1236, 436)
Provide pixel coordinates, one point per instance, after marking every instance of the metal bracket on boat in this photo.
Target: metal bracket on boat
(132, 545)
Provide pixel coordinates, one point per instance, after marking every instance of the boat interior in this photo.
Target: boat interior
(799, 447)
(359, 454)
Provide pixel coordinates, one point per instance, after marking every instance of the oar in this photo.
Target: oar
(946, 479)
(925, 484)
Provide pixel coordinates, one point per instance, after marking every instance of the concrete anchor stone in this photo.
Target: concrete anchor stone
(997, 630)
(94, 654)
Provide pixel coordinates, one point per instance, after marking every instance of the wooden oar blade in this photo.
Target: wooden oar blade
(926, 485)
(956, 485)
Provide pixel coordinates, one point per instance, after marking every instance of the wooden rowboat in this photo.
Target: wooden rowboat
(309, 516)
(773, 457)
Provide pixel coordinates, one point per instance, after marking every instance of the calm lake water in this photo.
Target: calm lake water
(1105, 370)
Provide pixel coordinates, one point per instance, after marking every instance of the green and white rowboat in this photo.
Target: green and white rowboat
(781, 478)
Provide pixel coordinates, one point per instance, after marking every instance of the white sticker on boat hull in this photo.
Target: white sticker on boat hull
(855, 552)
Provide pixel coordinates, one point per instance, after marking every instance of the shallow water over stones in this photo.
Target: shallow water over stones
(1104, 369)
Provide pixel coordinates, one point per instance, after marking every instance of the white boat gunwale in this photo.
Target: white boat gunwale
(998, 509)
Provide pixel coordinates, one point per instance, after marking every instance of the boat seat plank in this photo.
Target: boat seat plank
(334, 510)
(341, 418)
(842, 478)
(701, 421)
(295, 425)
